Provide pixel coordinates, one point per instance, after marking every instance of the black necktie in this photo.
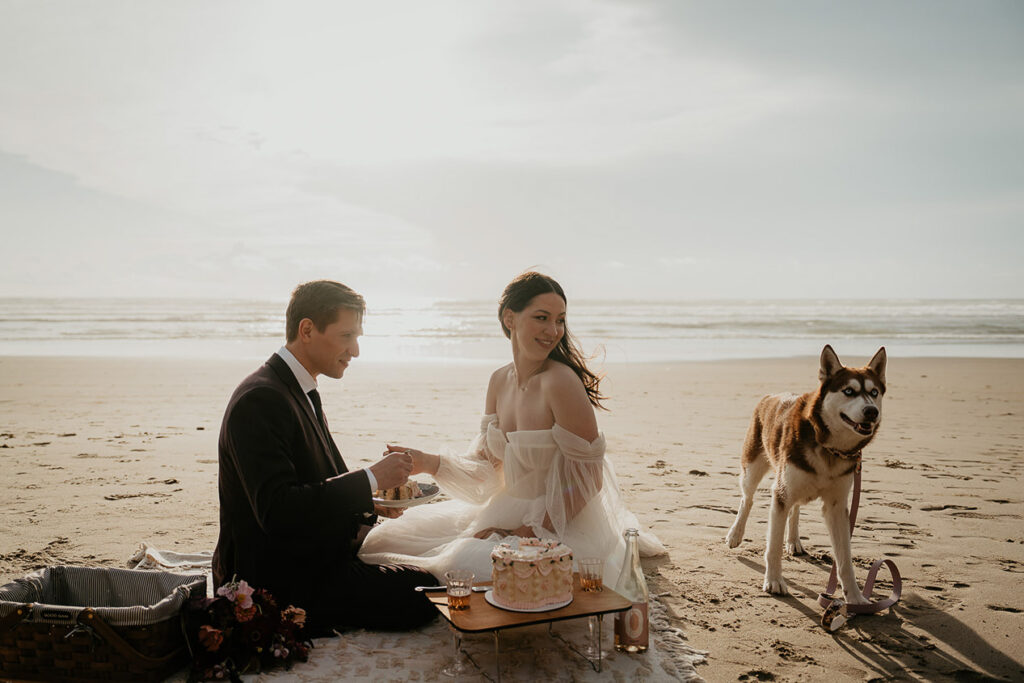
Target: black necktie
(318, 407)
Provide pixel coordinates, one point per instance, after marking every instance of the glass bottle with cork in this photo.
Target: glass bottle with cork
(631, 627)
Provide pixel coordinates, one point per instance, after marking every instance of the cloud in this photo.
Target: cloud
(234, 148)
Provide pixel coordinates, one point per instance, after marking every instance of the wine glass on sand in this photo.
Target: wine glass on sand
(592, 581)
(459, 587)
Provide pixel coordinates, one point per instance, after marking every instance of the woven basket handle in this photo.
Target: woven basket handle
(12, 619)
(88, 617)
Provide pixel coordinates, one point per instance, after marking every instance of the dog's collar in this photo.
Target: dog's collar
(849, 455)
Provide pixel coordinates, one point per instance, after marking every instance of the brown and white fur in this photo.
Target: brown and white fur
(813, 443)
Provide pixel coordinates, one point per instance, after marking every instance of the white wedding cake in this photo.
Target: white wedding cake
(528, 573)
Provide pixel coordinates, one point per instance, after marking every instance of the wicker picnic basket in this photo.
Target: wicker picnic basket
(84, 623)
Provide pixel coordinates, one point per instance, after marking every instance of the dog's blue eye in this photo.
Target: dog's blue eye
(848, 391)
(874, 393)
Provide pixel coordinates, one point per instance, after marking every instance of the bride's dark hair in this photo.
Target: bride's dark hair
(517, 295)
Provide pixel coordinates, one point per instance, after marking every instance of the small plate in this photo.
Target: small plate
(489, 598)
(428, 492)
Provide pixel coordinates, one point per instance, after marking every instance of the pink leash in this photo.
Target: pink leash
(837, 612)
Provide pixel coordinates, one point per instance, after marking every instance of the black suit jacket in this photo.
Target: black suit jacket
(289, 508)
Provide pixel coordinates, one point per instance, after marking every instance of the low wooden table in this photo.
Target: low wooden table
(483, 617)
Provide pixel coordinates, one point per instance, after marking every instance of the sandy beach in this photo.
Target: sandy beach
(99, 455)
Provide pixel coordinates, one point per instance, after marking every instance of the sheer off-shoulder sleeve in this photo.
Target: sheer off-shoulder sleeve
(575, 478)
(477, 475)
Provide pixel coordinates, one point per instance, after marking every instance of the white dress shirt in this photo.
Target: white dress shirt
(307, 383)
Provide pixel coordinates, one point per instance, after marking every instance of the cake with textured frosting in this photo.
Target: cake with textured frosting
(406, 491)
(529, 573)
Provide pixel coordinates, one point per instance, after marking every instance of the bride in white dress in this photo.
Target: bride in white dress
(537, 467)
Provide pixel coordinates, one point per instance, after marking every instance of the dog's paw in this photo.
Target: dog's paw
(795, 547)
(775, 586)
(855, 597)
(734, 537)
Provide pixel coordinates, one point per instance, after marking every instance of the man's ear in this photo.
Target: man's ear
(305, 329)
(830, 364)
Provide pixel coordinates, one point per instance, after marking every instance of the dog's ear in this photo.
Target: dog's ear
(877, 364)
(830, 364)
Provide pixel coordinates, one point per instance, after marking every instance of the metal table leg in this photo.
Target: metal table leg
(497, 656)
(596, 666)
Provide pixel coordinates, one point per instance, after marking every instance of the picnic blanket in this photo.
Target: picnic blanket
(527, 654)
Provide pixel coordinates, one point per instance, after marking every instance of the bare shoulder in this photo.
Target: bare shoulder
(569, 402)
(500, 378)
(560, 376)
(495, 385)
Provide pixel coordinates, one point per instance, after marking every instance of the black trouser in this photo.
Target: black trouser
(375, 597)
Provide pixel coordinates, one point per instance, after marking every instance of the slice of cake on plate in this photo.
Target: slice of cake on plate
(406, 491)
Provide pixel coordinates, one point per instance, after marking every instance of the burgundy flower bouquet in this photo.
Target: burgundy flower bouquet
(242, 630)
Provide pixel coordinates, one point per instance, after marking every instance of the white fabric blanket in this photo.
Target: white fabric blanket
(527, 654)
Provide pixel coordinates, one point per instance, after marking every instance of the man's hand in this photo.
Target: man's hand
(421, 462)
(392, 470)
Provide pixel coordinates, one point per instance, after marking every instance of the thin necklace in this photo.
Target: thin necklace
(522, 387)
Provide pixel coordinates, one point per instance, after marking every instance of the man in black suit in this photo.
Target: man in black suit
(291, 513)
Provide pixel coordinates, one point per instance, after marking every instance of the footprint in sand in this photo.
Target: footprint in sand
(895, 464)
(788, 652)
(1004, 608)
(121, 496)
(1012, 566)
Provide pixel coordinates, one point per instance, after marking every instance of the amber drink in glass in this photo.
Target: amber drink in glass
(460, 586)
(591, 574)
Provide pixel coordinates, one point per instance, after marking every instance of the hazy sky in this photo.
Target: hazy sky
(415, 148)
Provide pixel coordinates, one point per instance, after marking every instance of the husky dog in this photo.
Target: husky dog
(813, 444)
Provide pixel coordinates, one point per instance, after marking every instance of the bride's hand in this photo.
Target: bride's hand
(421, 462)
(523, 532)
(492, 530)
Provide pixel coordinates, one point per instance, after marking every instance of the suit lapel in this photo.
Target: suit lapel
(282, 370)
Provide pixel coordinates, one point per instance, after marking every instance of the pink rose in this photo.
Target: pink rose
(243, 595)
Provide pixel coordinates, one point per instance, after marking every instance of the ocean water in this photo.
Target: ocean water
(468, 331)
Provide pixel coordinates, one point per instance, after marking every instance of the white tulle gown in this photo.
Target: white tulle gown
(506, 481)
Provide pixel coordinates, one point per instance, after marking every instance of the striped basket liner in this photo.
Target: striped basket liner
(91, 623)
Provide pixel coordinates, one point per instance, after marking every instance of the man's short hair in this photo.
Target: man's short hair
(320, 301)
